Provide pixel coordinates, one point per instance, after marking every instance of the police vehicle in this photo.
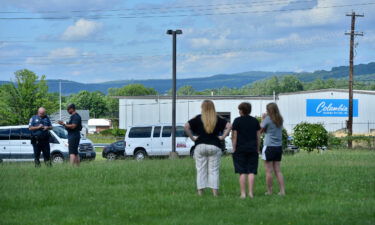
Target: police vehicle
(15, 144)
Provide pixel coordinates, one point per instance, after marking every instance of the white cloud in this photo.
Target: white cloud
(58, 54)
(80, 30)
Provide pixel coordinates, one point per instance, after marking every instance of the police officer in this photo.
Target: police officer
(74, 127)
(39, 126)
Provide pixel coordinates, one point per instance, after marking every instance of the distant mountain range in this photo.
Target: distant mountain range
(363, 72)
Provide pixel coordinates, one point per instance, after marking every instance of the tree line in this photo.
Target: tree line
(20, 99)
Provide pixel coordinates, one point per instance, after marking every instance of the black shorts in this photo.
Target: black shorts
(245, 162)
(272, 153)
(73, 145)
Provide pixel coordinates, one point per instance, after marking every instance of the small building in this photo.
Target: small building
(98, 125)
(328, 106)
(85, 116)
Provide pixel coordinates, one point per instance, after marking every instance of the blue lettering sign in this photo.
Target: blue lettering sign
(330, 107)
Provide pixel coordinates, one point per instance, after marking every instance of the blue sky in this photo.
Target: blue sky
(104, 40)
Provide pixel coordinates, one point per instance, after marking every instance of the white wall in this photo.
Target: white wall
(293, 109)
(136, 111)
(146, 111)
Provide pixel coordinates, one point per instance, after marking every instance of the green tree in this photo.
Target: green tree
(93, 101)
(20, 100)
(263, 87)
(186, 90)
(128, 90)
(290, 83)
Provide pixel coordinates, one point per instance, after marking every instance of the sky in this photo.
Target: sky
(105, 40)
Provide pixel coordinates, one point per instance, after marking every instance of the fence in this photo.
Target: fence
(358, 127)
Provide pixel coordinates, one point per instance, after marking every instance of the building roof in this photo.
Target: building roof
(211, 97)
(330, 90)
(85, 115)
(246, 97)
(99, 122)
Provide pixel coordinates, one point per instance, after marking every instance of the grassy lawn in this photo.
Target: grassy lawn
(336, 187)
(97, 138)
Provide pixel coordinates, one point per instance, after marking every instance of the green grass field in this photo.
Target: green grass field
(336, 187)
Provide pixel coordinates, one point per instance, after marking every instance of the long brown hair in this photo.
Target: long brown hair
(209, 116)
(274, 113)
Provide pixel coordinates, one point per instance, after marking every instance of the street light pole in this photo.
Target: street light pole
(174, 33)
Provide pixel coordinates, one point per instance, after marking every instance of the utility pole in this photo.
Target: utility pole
(352, 34)
(60, 98)
(174, 33)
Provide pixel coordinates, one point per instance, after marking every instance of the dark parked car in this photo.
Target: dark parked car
(114, 151)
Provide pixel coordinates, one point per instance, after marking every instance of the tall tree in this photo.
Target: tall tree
(186, 90)
(128, 90)
(20, 100)
(290, 83)
(93, 101)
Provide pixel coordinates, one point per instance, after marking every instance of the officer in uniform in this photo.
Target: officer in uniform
(39, 126)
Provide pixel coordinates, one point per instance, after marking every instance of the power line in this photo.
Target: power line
(185, 15)
(161, 8)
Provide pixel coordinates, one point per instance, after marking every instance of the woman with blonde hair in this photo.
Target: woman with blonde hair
(209, 130)
(272, 125)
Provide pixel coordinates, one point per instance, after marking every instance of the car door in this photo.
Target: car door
(157, 142)
(15, 143)
(26, 149)
(4, 143)
(166, 140)
(182, 144)
(140, 137)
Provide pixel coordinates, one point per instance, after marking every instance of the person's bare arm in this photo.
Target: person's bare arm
(228, 128)
(68, 126)
(234, 140)
(71, 126)
(189, 133)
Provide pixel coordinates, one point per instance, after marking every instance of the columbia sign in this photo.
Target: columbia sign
(330, 107)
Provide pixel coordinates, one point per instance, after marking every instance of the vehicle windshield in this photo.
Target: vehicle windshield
(60, 132)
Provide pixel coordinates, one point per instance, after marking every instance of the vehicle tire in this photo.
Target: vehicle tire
(57, 158)
(111, 156)
(1, 160)
(140, 155)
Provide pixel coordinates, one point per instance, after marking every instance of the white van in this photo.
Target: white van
(156, 140)
(15, 144)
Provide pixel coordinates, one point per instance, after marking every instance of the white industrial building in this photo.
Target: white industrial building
(329, 106)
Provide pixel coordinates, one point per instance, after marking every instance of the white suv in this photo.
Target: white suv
(156, 140)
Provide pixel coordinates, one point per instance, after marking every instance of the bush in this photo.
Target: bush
(359, 141)
(310, 136)
(335, 142)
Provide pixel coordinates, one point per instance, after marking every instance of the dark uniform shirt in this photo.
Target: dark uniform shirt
(75, 119)
(36, 121)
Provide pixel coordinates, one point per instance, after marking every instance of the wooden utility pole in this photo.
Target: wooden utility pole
(352, 34)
